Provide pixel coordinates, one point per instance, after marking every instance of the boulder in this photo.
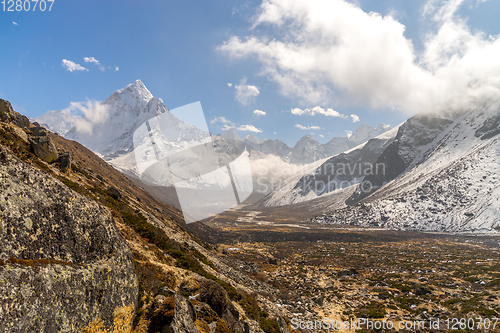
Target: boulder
(39, 131)
(189, 286)
(184, 317)
(21, 134)
(44, 148)
(218, 300)
(319, 300)
(114, 193)
(422, 291)
(348, 272)
(65, 162)
(20, 120)
(283, 325)
(273, 261)
(161, 313)
(329, 285)
(251, 326)
(64, 266)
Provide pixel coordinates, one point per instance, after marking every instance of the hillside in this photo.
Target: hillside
(175, 281)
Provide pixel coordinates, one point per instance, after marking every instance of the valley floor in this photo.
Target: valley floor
(387, 276)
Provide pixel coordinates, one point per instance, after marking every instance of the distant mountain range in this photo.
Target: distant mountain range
(308, 149)
(126, 109)
(435, 172)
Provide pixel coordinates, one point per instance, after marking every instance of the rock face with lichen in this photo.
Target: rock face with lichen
(63, 264)
(7, 115)
(42, 145)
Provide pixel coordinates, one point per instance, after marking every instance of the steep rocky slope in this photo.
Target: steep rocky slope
(86, 250)
(64, 263)
(442, 174)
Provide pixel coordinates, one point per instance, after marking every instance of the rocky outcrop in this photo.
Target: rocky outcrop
(44, 148)
(5, 111)
(283, 325)
(7, 115)
(170, 312)
(65, 160)
(251, 326)
(42, 145)
(63, 264)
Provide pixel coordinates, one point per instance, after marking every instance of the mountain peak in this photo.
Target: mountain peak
(383, 126)
(231, 134)
(252, 138)
(306, 140)
(136, 88)
(129, 100)
(361, 133)
(365, 132)
(307, 137)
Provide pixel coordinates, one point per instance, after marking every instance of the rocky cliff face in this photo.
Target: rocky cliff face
(63, 264)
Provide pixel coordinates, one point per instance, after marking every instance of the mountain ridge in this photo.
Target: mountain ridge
(308, 149)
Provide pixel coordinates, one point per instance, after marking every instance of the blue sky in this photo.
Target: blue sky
(310, 66)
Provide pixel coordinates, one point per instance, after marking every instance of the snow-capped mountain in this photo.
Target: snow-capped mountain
(276, 147)
(121, 114)
(307, 149)
(442, 173)
(60, 121)
(231, 134)
(332, 174)
(365, 132)
(253, 139)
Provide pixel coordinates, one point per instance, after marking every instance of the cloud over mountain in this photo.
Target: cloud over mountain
(323, 51)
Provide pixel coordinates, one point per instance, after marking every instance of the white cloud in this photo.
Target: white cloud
(90, 113)
(249, 128)
(321, 51)
(227, 124)
(355, 118)
(14, 23)
(245, 93)
(117, 68)
(318, 110)
(260, 113)
(221, 120)
(93, 60)
(307, 128)
(348, 133)
(229, 85)
(71, 66)
(321, 136)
